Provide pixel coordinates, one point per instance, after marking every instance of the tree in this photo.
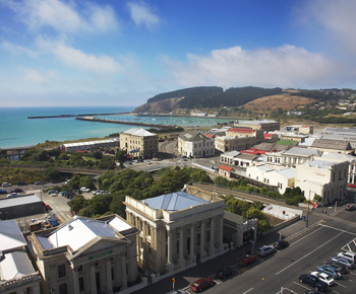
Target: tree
(101, 203)
(86, 181)
(52, 174)
(77, 203)
(121, 156)
(97, 155)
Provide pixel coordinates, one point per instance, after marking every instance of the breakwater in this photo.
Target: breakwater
(76, 115)
(123, 122)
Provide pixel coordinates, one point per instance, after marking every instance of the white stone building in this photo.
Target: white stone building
(17, 274)
(177, 230)
(324, 178)
(195, 144)
(86, 256)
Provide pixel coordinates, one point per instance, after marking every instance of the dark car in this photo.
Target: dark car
(225, 273)
(247, 259)
(313, 292)
(281, 244)
(313, 281)
(202, 284)
(40, 183)
(21, 184)
(350, 207)
(17, 190)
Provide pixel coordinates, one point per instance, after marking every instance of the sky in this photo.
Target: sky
(121, 53)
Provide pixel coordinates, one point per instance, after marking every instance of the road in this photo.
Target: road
(309, 248)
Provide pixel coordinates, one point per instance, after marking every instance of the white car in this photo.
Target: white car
(84, 189)
(324, 277)
(53, 194)
(6, 184)
(265, 250)
(348, 255)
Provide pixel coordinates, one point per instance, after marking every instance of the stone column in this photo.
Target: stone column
(93, 279)
(192, 243)
(181, 250)
(75, 281)
(108, 276)
(123, 271)
(220, 232)
(212, 235)
(169, 247)
(202, 239)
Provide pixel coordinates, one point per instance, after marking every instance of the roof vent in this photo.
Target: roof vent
(70, 227)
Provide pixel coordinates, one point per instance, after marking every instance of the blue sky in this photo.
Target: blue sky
(120, 53)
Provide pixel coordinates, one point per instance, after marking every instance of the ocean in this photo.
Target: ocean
(17, 130)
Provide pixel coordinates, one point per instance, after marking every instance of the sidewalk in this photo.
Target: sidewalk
(208, 269)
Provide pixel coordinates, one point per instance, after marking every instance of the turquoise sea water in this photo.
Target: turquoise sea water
(17, 130)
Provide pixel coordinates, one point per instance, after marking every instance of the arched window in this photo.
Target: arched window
(63, 289)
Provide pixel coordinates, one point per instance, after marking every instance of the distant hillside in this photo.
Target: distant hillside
(204, 97)
(284, 101)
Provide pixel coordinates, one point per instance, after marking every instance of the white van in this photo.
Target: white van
(349, 255)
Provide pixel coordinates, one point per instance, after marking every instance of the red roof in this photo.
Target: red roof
(241, 130)
(225, 167)
(267, 136)
(253, 151)
(209, 136)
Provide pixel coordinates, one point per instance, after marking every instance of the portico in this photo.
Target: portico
(177, 230)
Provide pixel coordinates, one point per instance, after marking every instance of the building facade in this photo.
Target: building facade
(177, 230)
(139, 143)
(265, 125)
(195, 144)
(86, 256)
(324, 178)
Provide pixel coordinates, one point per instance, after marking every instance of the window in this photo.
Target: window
(80, 268)
(112, 273)
(96, 263)
(148, 231)
(63, 289)
(28, 290)
(61, 271)
(81, 284)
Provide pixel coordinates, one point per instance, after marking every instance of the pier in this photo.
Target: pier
(76, 115)
(123, 122)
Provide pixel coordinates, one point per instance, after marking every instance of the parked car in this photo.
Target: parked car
(52, 191)
(12, 195)
(40, 183)
(202, 284)
(350, 207)
(21, 184)
(16, 190)
(343, 261)
(6, 184)
(179, 292)
(330, 270)
(3, 191)
(341, 268)
(281, 244)
(313, 281)
(265, 250)
(148, 162)
(313, 292)
(324, 277)
(84, 189)
(225, 273)
(47, 206)
(348, 255)
(247, 259)
(53, 194)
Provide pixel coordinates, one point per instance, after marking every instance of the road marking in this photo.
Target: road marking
(311, 252)
(247, 291)
(337, 229)
(340, 285)
(303, 237)
(301, 285)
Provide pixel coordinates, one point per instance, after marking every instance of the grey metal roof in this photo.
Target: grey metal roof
(319, 163)
(231, 153)
(331, 144)
(15, 265)
(174, 201)
(10, 236)
(194, 137)
(302, 151)
(288, 173)
(21, 200)
(139, 132)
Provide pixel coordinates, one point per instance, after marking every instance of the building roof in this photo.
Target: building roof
(227, 168)
(81, 230)
(288, 173)
(174, 201)
(194, 137)
(319, 164)
(107, 141)
(17, 201)
(338, 156)
(331, 144)
(10, 236)
(231, 153)
(302, 151)
(233, 217)
(253, 151)
(139, 132)
(255, 122)
(242, 130)
(15, 265)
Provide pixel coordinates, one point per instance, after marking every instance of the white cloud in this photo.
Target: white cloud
(33, 76)
(75, 58)
(16, 49)
(285, 66)
(337, 18)
(64, 16)
(142, 14)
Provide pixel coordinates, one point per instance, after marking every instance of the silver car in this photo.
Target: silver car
(346, 262)
(265, 250)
